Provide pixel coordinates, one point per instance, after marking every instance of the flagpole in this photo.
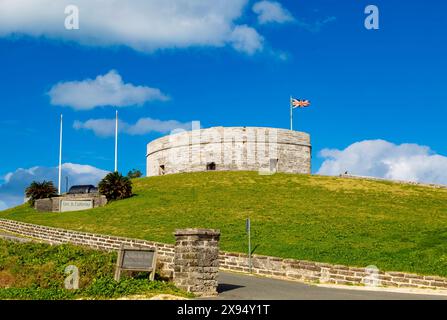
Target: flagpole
(60, 157)
(291, 114)
(116, 141)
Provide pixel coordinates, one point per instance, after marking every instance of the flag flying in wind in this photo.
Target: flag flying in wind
(298, 103)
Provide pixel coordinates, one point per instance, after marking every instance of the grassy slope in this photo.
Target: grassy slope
(352, 222)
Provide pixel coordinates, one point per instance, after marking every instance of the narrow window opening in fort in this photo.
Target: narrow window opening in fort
(273, 165)
(211, 166)
(162, 170)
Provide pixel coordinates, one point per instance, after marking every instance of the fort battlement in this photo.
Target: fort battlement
(230, 149)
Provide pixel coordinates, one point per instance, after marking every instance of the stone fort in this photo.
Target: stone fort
(267, 150)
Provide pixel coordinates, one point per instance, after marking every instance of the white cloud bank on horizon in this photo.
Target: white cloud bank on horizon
(382, 159)
(106, 127)
(12, 190)
(104, 90)
(144, 25)
(271, 11)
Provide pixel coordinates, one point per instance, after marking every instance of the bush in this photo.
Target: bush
(40, 190)
(134, 173)
(115, 186)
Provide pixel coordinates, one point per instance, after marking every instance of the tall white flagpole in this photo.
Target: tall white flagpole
(291, 114)
(60, 159)
(116, 142)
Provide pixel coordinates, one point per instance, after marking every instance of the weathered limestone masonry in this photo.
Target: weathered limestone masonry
(44, 205)
(262, 265)
(230, 149)
(196, 262)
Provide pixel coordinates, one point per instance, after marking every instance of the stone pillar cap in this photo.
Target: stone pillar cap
(191, 231)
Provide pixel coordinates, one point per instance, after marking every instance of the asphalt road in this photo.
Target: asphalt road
(242, 287)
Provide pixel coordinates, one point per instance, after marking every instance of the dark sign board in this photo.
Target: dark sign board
(136, 259)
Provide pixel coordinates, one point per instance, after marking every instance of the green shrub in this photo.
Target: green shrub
(44, 266)
(107, 287)
(115, 186)
(40, 190)
(36, 293)
(134, 173)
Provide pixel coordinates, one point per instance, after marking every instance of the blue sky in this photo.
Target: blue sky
(388, 84)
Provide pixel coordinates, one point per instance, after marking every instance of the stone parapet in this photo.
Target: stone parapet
(230, 149)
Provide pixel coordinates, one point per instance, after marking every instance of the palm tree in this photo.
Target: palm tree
(115, 186)
(40, 190)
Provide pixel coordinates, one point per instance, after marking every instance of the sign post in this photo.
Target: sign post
(136, 259)
(248, 230)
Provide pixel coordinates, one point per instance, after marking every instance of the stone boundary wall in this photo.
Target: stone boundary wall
(326, 273)
(165, 252)
(261, 265)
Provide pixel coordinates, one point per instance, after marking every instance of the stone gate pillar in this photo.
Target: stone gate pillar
(196, 261)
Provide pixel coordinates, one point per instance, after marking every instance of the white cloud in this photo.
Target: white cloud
(379, 158)
(246, 39)
(274, 12)
(106, 127)
(144, 25)
(13, 189)
(101, 127)
(271, 11)
(105, 90)
(146, 125)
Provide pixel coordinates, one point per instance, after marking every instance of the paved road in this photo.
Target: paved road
(243, 287)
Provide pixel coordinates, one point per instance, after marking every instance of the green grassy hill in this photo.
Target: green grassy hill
(352, 222)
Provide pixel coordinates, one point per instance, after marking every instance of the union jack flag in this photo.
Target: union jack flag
(298, 103)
